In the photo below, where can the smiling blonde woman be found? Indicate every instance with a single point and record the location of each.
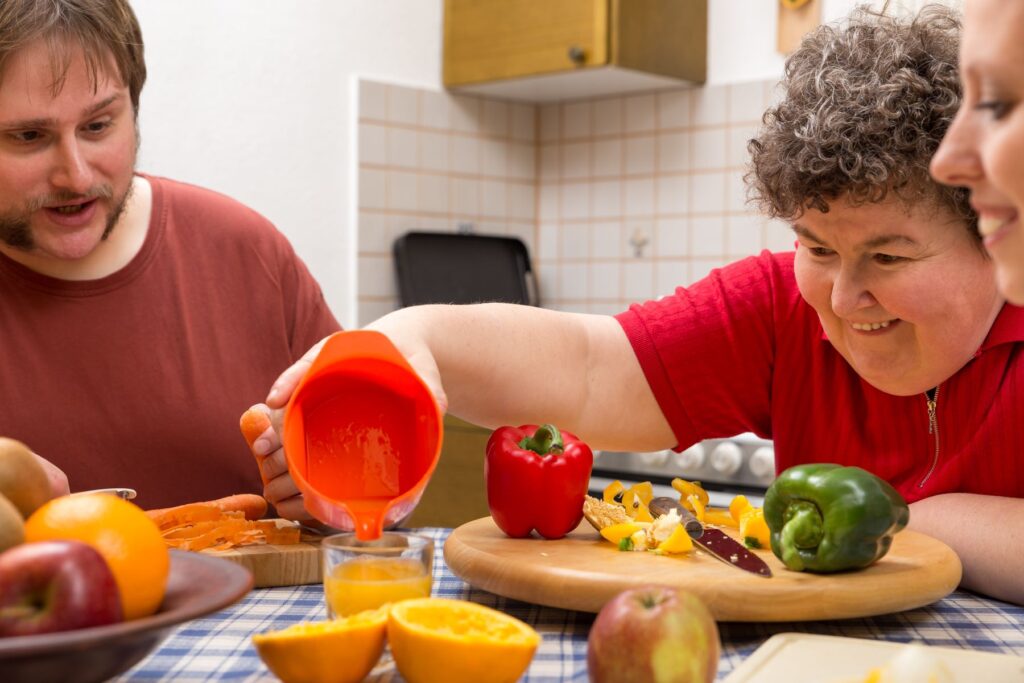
(984, 149)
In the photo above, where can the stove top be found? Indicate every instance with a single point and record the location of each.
(740, 464)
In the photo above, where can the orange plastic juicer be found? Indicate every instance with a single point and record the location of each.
(362, 434)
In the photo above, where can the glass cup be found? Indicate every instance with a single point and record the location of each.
(361, 575)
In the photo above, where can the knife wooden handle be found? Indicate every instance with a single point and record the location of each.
(661, 506)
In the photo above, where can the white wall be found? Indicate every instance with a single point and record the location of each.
(253, 98)
(742, 34)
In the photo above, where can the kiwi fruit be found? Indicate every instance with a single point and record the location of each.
(12, 526)
(23, 480)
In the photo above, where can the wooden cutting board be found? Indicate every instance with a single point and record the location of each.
(583, 571)
(279, 565)
(813, 658)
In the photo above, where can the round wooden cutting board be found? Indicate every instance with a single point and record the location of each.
(583, 571)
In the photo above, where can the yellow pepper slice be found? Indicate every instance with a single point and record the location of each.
(738, 506)
(754, 530)
(634, 499)
(611, 491)
(694, 505)
(640, 513)
(617, 532)
(678, 542)
(718, 516)
(689, 488)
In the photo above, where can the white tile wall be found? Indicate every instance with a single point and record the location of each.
(430, 161)
(617, 198)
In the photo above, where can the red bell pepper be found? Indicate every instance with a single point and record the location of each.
(537, 478)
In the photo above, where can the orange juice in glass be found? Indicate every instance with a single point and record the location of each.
(361, 575)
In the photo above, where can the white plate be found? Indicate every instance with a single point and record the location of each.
(811, 658)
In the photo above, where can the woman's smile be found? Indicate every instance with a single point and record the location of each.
(994, 226)
(875, 328)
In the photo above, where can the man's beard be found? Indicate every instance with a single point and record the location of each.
(16, 228)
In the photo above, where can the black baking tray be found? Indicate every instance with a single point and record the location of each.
(455, 268)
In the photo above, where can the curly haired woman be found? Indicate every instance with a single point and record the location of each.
(881, 342)
(984, 149)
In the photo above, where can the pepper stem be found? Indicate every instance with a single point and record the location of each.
(802, 530)
(547, 440)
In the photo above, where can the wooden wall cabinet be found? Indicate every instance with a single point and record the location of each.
(544, 50)
(457, 492)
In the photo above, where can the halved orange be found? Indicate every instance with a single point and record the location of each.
(340, 651)
(437, 639)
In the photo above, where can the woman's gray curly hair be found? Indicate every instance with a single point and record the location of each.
(864, 110)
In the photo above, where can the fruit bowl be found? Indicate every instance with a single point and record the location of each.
(197, 585)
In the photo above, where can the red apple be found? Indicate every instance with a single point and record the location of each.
(653, 634)
(55, 586)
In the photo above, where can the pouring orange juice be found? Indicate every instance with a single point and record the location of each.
(362, 434)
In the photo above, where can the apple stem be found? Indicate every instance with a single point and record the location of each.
(650, 601)
(18, 612)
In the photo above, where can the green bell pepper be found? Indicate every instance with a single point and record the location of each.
(827, 518)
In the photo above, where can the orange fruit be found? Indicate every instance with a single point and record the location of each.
(460, 641)
(340, 651)
(127, 539)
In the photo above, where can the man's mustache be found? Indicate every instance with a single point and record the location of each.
(98, 192)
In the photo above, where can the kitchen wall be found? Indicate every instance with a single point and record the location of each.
(618, 199)
(257, 99)
(432, 161)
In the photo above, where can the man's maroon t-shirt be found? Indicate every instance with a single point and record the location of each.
(138, 379)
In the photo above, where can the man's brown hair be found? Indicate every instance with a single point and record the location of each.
(104, 29)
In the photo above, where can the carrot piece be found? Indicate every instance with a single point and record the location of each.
(206, 537)
(253, 423)
(251, 505)
(184, 514)
(275, 535)
(222, 524)
(204, 527)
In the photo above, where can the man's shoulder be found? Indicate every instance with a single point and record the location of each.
(183, 199)
(192, 211)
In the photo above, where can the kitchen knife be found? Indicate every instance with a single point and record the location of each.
(127, 494)
(714, 541)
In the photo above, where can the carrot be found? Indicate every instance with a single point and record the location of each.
(222, 524)
(252, 505)
(253, 423)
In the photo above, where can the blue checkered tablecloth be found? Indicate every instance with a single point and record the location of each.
(218, 647)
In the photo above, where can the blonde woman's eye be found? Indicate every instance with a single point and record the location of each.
(998, 108)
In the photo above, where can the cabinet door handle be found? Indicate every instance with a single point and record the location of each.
(577, 55)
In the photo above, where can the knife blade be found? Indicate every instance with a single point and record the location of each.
(715, 542)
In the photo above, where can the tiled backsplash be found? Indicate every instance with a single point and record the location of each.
(618, 199)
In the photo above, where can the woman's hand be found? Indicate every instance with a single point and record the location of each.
(278, 486)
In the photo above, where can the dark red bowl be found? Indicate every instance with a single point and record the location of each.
(197, 585)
